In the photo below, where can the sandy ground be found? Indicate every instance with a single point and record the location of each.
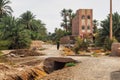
(17, 64)
(89, 68)
(51, 50)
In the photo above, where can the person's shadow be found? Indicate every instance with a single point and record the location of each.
(115, 75)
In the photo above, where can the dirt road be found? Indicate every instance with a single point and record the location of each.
(89, 68)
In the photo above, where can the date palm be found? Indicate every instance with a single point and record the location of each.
(6, 25)
(14, 32)
(39, 31)
(64, 24)
(27, 19)
(70, 20)
(5, 9)
(67, 15)
(95, 25)
(105, 30)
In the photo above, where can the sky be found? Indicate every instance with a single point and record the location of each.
(49, 10)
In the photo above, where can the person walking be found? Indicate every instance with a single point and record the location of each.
(58, 45)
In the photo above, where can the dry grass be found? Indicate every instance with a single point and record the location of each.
(68, 52)
(25, 53)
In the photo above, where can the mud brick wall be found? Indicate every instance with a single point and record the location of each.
(65, 40)
(115, 49)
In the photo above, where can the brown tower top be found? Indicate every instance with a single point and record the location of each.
(82, 23)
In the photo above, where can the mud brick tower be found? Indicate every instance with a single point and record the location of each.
(82, 24)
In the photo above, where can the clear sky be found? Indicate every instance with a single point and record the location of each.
(49, 10)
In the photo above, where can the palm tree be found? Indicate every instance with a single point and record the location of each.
(63, 25)
(70, 19)
(64, 14)
(36, 27)
(14, 32)
(95, 24)
(20, 38)
(6, 25)
(105, 30)
(39, 30)
(5, 9)
(67, 15)
(27, 19)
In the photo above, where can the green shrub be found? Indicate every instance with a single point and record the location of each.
(42, 49)
(95, 55)
(81, 44)
(4, 44)
(69, 64)
(21, 41)
(107, 53)
(99, 41)
(1, 53)
(108, 43)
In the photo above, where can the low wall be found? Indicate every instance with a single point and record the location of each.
(65, 40)
(115, 49)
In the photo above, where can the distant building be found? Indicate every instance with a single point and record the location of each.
(82, 24)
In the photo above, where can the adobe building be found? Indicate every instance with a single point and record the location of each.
(82, 24)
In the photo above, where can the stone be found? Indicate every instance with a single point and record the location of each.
(115, 75)
(55, 63)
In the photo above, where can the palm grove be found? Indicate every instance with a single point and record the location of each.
(16, 33)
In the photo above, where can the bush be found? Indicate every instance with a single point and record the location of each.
(107, 53)
(99, 41)
(108, 43)
(81, 44)
(69, 64)
(4, 44)
(1, 53)
(95, 54)
(21, 41)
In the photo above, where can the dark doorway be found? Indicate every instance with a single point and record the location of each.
(59, 65)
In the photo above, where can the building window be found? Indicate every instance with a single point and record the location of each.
(83, 21)
(83, 17)
(88, 17)
(88, 22)
(88, 27)
(83, 27)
